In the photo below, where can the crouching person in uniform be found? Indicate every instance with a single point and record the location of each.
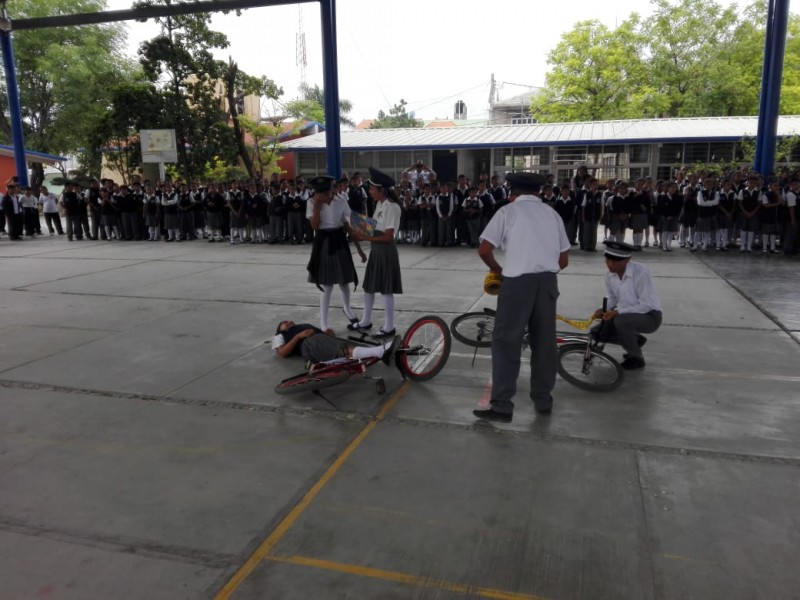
(315, 345)
(633, 306)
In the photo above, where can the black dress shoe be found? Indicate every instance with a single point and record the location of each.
(632, 362)
(357, 327)
(389, 352)
(382, 333)
(353, 321)
(490, 414)
(544, 411)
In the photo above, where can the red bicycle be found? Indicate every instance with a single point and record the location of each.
(422, 353)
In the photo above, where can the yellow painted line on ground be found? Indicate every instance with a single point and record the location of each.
(681, 558)
(283, 527)
(405, 578)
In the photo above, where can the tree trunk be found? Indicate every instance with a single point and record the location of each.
(230, 85)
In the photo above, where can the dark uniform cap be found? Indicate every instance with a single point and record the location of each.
(322, 183)
(526, 181)
(380, 179)
(618, 250)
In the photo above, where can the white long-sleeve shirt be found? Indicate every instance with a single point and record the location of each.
(634, 293)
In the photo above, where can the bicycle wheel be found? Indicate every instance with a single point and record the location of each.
(425, 348)
(597, 373)
(473, 329)
(310, 382)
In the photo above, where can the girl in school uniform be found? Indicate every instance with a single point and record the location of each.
(727, 204)
(768, 219)
(707, 209)
(152, 214)
(383, 267)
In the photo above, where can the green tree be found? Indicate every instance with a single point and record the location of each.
(135, 105)
(63, 75)
(397, 118)
(685, 39)
(238, 85)
(311, 106)
(597, 74)
(179, 61)
(264, 149)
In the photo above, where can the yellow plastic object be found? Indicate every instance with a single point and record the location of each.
(582, 324)
(492, 283)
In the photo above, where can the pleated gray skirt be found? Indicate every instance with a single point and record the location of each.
(383, 270)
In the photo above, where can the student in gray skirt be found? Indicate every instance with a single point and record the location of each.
(331, 262)
(383, 268)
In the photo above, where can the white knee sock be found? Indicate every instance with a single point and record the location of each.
(345, 290)
(388, 312)
(324, 305)
(369, 302)
(360, 352)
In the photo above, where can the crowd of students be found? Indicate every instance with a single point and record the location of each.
(700, 211)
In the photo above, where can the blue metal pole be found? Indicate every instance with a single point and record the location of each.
(330, 74)
(765, 75)
(772, 112)
(15, 113)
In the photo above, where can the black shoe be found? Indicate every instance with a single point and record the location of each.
(357, 327)
(389, 352)
(490, 414)
(545, 410)
(353, 321)
(382, 333)
(632, 362)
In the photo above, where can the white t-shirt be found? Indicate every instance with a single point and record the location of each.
(49, 202)
(333, 215)
(530, 233)
(387, 216)
(791, 199)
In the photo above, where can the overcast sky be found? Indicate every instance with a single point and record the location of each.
(429, 52)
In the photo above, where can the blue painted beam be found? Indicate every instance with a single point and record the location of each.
(772, 74)
(14, 110)
(330, 74)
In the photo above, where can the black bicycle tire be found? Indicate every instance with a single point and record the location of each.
(567, 349)
(308, 382)
(464, 339)
(446, 345)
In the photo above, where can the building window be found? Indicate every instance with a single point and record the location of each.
(696, 153)
(523, 121)
(307, 163)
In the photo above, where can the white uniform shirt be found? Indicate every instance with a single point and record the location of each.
(706, 198)
(791, 199)
(387, 216)
(333, 215)
(27, 201)
(49, 202)
(634, 293)
(531, 234)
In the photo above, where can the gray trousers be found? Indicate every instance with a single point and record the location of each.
(525, 301)
(625, 328)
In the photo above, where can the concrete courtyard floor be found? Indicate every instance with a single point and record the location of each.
(144, 454)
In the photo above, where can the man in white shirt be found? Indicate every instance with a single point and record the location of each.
(633, 305)
(49, 203)
(535, 243)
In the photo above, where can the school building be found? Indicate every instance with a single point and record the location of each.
(610, 149)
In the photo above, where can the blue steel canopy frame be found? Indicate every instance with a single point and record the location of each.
(329, 74)
(771, 75)
(774, 49)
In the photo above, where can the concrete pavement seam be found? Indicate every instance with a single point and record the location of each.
(119, 543)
